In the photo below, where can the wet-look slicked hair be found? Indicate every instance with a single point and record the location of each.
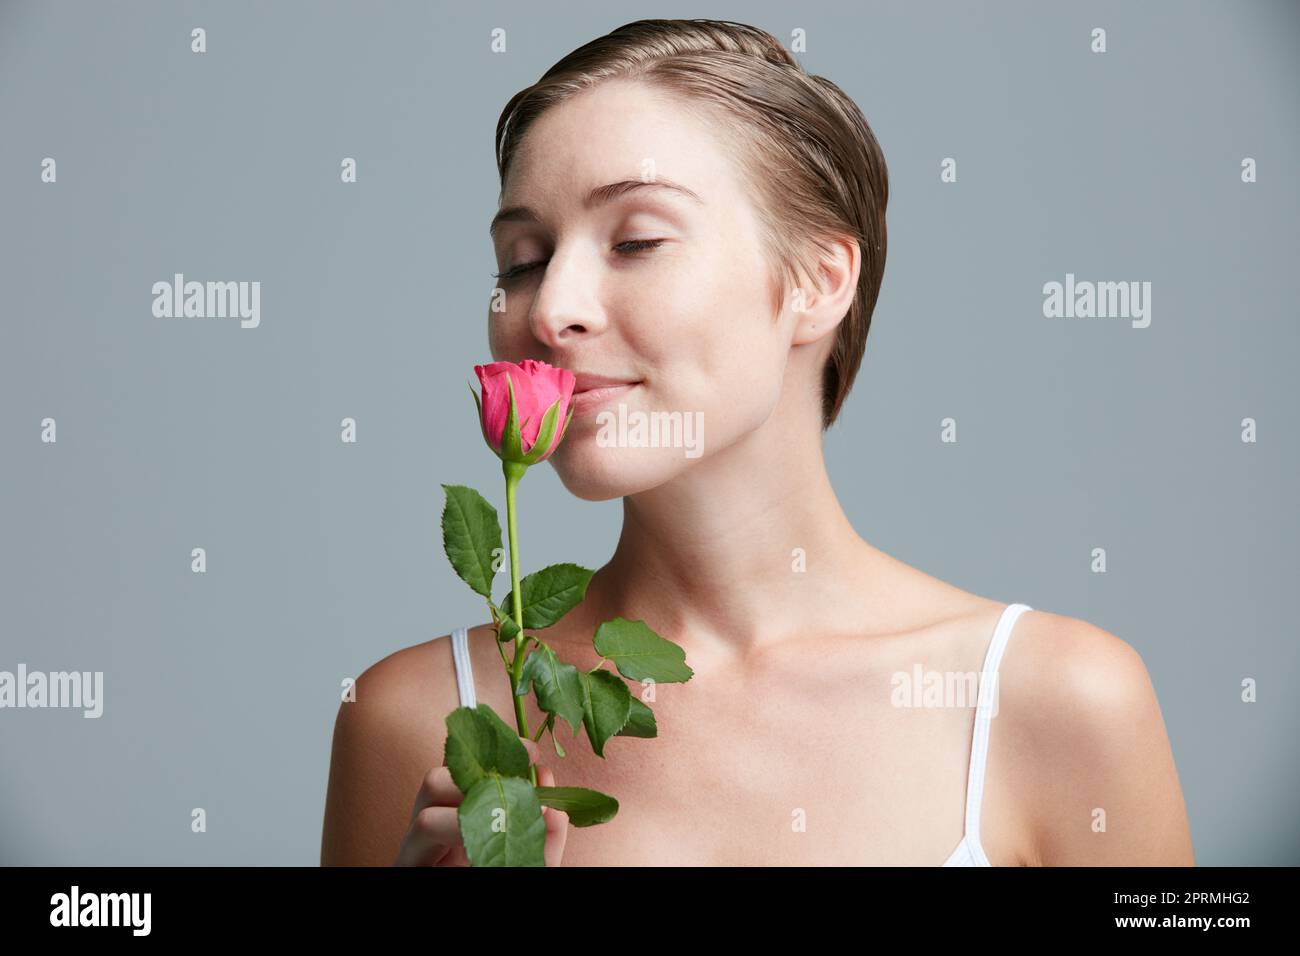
(803, 148)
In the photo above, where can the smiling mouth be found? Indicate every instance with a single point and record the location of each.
(596, 396)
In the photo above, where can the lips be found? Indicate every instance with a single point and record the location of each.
(589, 397)
(585, 382)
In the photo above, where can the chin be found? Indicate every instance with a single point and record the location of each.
(593, 473)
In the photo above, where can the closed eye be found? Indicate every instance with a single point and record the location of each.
(631, 247)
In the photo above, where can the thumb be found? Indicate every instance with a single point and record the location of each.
(557, 821)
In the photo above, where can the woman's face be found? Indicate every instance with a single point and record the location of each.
(649, 286)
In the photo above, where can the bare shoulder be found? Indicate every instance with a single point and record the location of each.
(1075, 661)
(384, 742)
(1091, 757)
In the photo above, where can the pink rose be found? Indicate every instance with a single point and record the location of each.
(536, 388)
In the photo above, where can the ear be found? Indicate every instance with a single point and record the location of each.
(820, 305)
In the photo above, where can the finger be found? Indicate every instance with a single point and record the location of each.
(557, 834)
(437, 789)
(557, 822)
(433, 839)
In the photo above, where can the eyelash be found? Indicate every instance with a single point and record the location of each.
(638, 244)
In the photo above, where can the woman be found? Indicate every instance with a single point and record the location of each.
(691, 221)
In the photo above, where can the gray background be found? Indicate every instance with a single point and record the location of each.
(221, 688)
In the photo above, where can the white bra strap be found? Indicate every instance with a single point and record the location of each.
(985, 708)
(464, 670)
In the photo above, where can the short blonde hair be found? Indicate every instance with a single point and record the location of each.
(805, 148)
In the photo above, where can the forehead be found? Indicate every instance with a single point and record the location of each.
(615, 131)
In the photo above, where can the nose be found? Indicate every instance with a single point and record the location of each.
(567, 303)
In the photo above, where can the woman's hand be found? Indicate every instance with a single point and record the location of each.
(433, 838)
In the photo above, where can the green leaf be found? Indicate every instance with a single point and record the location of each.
(501, 823)
(506, 630)
(470, 533)
(640, 721)
(585, 807)
(545, 434)
(512, 438)
(549, 594)
(640, 654)
(557, 685)
(550, 725)
(606, 705)
(479, 743)
(509, 631)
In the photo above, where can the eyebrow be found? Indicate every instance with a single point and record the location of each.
(597, 197)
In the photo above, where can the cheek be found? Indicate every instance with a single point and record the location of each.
(714, 293)
(720, 325)
(508, 333)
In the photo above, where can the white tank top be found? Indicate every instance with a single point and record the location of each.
(969, 852)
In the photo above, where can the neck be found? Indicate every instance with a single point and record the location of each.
(746, 548)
